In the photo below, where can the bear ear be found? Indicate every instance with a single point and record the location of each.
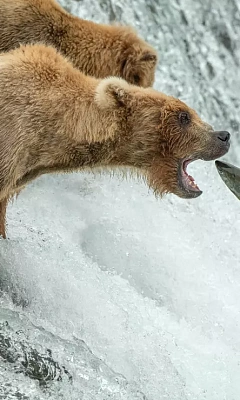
(112, 93)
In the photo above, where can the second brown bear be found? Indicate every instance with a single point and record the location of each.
(97, 50)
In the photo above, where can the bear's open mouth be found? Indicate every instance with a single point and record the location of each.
(187, 182)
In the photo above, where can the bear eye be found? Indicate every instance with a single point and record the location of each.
(136, 79)
(184, 118)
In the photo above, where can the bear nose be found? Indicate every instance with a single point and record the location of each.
(224, 136)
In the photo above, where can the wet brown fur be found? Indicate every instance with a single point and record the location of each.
(96, 50)
(55, 119)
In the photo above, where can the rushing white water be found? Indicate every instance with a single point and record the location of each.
(110, 293)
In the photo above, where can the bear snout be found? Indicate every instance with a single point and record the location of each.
(218, 145)
(224, 136)
(222, 139)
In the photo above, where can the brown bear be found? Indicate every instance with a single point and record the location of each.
(55, 119)
(97, 50)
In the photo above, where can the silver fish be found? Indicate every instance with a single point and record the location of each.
(230, 176)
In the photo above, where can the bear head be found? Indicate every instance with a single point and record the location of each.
(159, 136)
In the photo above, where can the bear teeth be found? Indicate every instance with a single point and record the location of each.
(189, 180)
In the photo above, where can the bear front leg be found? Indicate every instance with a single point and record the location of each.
(3, 210)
